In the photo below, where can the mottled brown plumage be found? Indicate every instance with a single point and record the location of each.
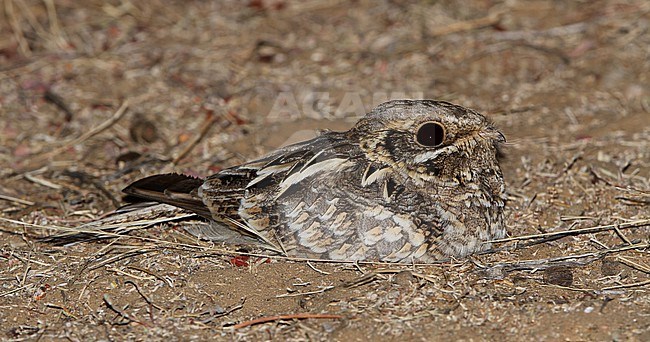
(411, 181)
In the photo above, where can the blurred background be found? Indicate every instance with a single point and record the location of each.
(94, 94)
(266, 69)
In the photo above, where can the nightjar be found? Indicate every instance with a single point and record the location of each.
(412, 181)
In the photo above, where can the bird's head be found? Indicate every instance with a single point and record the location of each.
(431, 142)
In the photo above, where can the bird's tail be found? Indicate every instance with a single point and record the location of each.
(172, 188)
(122, 221)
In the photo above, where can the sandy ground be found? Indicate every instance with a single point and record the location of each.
(96, 94)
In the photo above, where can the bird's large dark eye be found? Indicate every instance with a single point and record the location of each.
(430, 134)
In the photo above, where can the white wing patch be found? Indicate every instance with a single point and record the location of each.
(254, 232)
(333, 165)
(268, 171)
(373, 177)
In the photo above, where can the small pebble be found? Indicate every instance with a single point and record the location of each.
(610, 267)
(143, 130)
(558, 275)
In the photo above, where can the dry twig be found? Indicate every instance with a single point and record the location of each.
(467, 25)
(209, 122)
(100, 128)
(284, 317)
(326, 288)
(567, 260)
(588, 230)
(16, 200)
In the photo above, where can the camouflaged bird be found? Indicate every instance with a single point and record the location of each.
(412, 181)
